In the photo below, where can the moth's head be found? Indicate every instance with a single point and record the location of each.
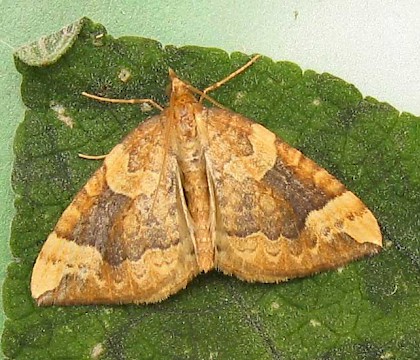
(181, 93)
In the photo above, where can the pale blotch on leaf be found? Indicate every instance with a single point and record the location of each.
(60, 111)
(124, 75)
(97, 351)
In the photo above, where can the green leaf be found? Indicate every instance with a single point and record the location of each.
(368, 310)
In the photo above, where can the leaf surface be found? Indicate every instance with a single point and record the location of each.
(367, 310)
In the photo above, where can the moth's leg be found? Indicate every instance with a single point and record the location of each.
(124, 101)
(92, 157)
(116, 101)
(229, 77)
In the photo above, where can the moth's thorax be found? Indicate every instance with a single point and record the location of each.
(188, 146)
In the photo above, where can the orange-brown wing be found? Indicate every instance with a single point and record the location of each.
(278, 214)
(125, 237)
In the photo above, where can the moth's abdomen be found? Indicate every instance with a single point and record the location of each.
(192, 166)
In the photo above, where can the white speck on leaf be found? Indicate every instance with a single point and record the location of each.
(213, 355)
(145, 107)
(240, 95)
(275, 305)
(340, 270)
(124, 75)
(387, 355)
(393, 291)
(388, 244)
(314, 323)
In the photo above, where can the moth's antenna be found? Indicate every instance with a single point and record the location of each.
(205, 96)
(229, 77)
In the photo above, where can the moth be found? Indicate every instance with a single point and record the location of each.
(193, 189)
